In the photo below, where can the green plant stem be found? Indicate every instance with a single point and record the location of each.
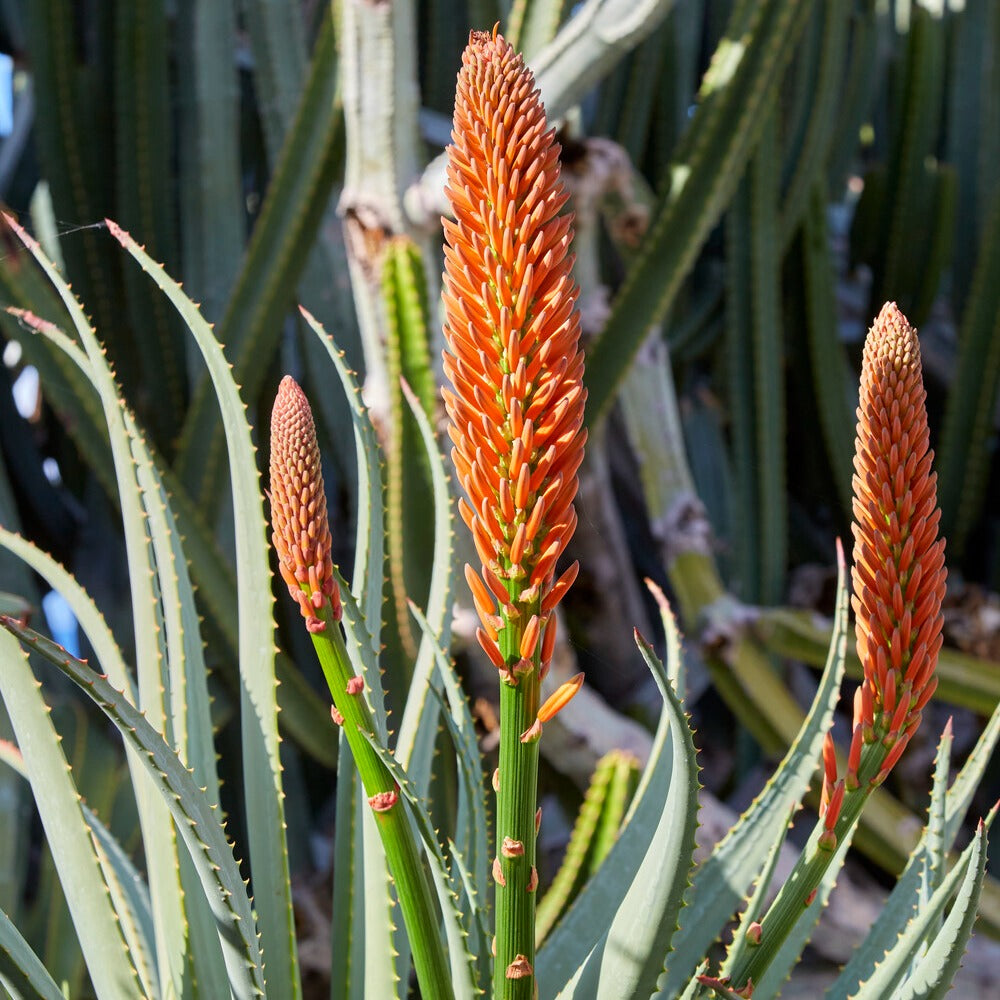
(516, 799)
(793, 899)
(413, 886)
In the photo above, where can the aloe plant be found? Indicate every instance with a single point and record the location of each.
(151, 878)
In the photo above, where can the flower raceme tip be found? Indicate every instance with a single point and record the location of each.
(899, 573)
(300, 527)
(513, 355)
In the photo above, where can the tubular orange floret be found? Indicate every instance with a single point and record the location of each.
(512, 330)
(300, 528)
(854, 757)
(560, 698)
(898, 574)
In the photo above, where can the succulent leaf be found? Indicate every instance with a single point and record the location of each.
(719, 884)
(22, 972)
(642, 881)
(66, 829)
(196, 817)
(939, 965)
(259, 716)
(418, 727)
(369, 543)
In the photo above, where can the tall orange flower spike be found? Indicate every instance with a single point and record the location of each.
(899, 573)
(513, 355)
(301, 531)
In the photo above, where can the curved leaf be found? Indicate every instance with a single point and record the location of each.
(22, 972)
(938, 966)
(66, 830)
(262, 784)
(640, 887)
(719, 884)
(197, 820)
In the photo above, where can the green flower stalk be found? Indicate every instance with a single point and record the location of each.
(301, 534)
(516, 409)
(899, 583)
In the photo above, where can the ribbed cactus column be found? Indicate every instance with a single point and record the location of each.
(517, 427)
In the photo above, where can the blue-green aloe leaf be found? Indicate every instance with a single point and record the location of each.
(902, 901)
(259, 715)
(369, 554)
(196, 817)
(415, 745)
(470, 847)
(641, 885)
(66, 829)
(146, 606)
(934, 973)
(720, 883)
(22, 972)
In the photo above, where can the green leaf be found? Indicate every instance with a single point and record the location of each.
(197, 820)
(719, 884)
(21, 970)
(939, 965)
(932, 978)
(571, 875)
(899, 907)
(66, 830)
(158, 837)
(755, 905)
(640, 887)
(470, 854)
(262, 786)
(415, 744)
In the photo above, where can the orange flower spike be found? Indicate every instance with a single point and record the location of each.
(899, 573)
(300, 529)
(512, 330)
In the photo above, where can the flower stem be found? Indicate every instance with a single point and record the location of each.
(513, 971)
(413, 885)
(796, 894)
(516, 820)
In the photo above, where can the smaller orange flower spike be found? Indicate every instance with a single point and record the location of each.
(300, 529)
(899, 573)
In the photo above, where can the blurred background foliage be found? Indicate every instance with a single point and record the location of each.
(752, 179)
